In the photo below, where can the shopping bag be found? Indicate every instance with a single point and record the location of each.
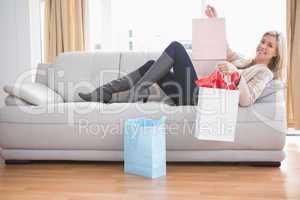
(217, 108)
(217, 80)
(209, 39)
(145, 147)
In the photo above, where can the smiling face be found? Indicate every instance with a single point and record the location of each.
(266, 49)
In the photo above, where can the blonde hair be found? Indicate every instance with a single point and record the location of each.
(278, 63)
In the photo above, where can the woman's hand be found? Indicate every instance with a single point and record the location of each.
(211, 12)
(226, 68)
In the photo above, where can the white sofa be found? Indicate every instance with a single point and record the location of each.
(48, 120)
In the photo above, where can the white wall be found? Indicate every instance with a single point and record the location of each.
(35, 32)
(99, 35)
(19, 39)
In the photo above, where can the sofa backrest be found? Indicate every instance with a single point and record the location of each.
(41, 75)
(74, 72)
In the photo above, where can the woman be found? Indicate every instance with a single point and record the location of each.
(179, 84)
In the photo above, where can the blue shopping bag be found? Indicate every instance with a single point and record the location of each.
(145, 147)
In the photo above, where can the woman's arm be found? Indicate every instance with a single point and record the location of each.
(212, 13)
(250, 91)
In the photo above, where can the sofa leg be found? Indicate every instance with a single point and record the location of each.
(265, 164)
(17, 162)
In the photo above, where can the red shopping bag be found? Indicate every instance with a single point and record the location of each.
(216, 80)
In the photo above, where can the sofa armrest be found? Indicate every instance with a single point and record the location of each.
(272, 87)
(11, 100)
(34, 93)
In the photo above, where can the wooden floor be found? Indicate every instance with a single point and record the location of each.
(76, 181)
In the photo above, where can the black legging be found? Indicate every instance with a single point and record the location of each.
(179, 85)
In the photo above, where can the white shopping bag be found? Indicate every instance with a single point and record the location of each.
(217, 112)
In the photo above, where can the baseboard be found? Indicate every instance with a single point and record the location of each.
(179, 156)
(254, 164)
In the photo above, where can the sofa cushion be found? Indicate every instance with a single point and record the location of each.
(11, 100)
(97, 126)
(34, 93)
